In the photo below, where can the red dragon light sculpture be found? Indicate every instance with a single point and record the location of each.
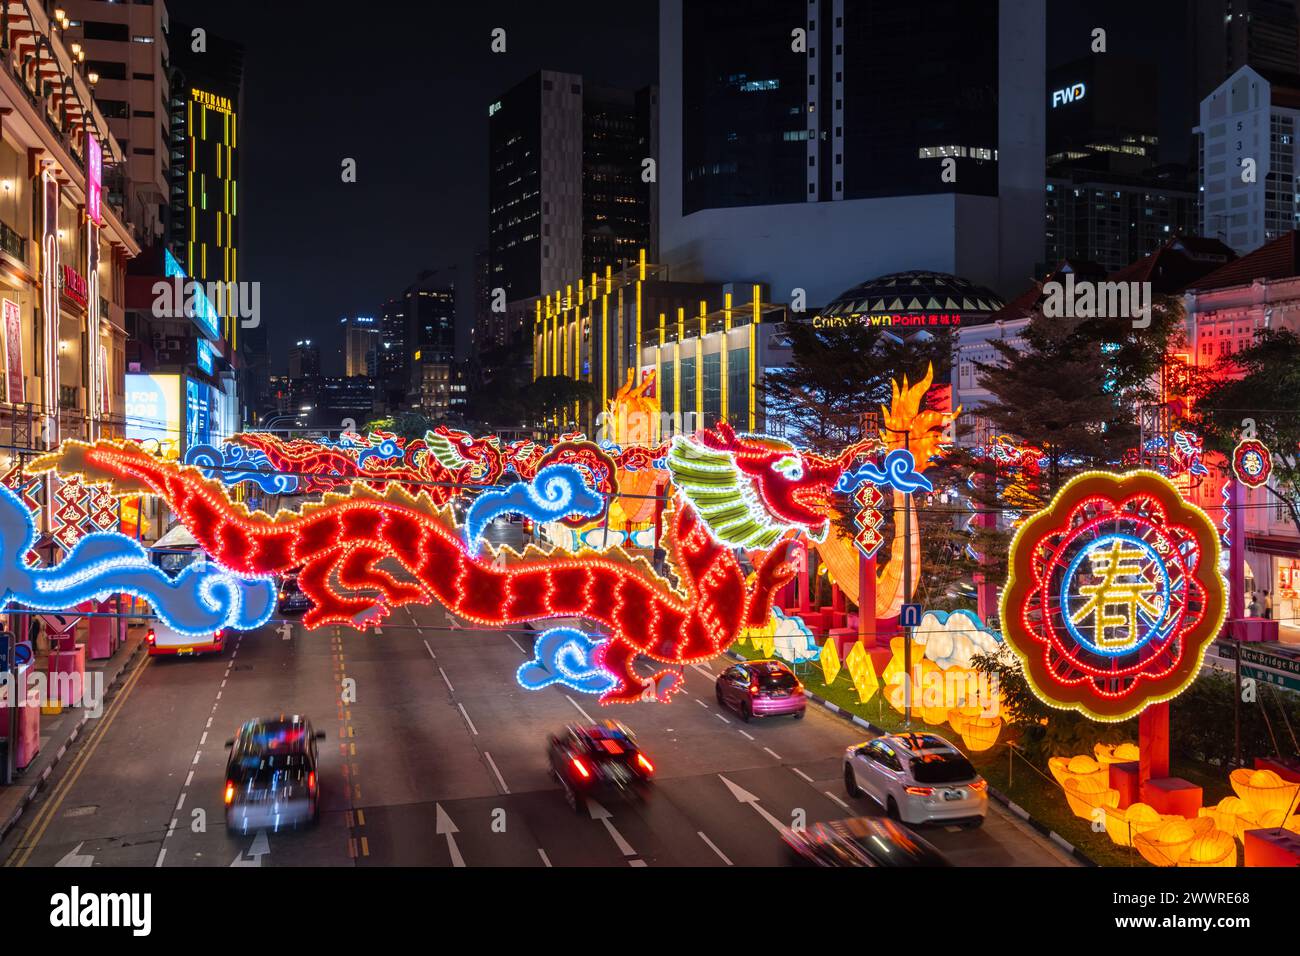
(340, 543)
(751, 490)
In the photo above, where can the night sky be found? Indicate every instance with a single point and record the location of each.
(403, 88)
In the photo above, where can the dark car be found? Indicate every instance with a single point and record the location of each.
(861, 841)
(271, 777)
(598, 759)
(761, 689)
(292, 598)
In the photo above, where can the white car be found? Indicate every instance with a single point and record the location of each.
(917, 778)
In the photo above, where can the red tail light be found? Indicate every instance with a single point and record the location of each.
(920, 791)
(311, 781)
(581, 767)
(641, 759)
(753, 690)
(149, 637)
(979, 786)
(230, 792)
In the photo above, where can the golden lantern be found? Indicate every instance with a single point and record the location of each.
(1277, 820)
(1085, 794)
(1123, 825)
(1264, 790)
(1165, 844)
(1108, 754)
(1213, 848)
(1232, 815)
(981, 733)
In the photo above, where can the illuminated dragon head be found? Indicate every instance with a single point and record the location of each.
(633, 413)
(924, 428)
(751, 489)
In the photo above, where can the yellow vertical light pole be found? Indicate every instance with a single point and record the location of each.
(636, 366)
(659, 376)
(677, 369)
(753, 360)
(604, 350)
(699, 366)
(726, 339)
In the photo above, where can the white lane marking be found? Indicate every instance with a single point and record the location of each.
(580, 710)
(208, 724)
(701, 703)
(430, 650)
(712, 846)
(705, 671)
(161, 853)
(180, 803)
(446, 680)
(637, 863)
(189, 777)
(464, 713)
(196, 757)
(444, 827)
(546, 860)
(743, 734)
(836, 799)
(773, 752)
(500, 779)
(511, 638)
(721, 718)
(802, 774)
(204, 739)
(600, 813)
(744, 796)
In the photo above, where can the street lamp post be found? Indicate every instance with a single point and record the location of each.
(907, 584)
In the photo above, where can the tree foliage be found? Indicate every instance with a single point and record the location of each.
(839, 376)
(1260, 383)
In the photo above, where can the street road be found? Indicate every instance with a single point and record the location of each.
(441, 761)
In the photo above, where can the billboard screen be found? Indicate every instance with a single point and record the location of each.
(153, 412)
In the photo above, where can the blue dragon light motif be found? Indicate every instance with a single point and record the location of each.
(557, 491)
(384, 451)
(202, 599)
(567, 656)
(232, 463)
(899, 472)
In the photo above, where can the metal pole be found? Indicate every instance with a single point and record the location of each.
(1236, 707)
(907, 595)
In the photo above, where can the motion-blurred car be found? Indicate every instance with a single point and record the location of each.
(271, 780)
(161, 641)
(917, 778)
(761, 689)
(292, 599)
(599, 759)
(860, 841)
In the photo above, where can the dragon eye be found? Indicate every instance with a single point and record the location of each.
(789, 466)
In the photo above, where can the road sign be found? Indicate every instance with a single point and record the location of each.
(910, 616)
(1267, 667)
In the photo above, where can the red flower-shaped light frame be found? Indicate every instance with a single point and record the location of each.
(1065, 673)
(1252, 446)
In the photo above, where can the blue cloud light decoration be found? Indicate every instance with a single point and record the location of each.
(565, 655)
(557, 491)
(899, 472)
(202, 599)
(232, 463)
(384, 451)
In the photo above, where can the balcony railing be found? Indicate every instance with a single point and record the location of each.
(12, 244)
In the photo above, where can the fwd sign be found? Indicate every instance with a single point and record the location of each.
(1070, 94)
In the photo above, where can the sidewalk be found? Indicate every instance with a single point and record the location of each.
(59, 731)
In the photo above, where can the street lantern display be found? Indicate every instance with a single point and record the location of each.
(1113, 594)
(1252, 462)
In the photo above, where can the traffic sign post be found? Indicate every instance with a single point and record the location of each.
(8, 674)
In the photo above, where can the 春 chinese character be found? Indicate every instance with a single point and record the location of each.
(1114, 601)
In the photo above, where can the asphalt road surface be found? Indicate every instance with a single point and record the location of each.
(441, 761)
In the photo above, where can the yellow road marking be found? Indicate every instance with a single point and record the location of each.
(21, 855)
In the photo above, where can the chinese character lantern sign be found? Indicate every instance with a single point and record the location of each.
(1114, 594)
(1252, 463)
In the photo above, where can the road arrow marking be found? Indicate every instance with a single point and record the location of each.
(600, 813)
(744, 796)
(444, 827)
(75, 857)
(261, 847)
